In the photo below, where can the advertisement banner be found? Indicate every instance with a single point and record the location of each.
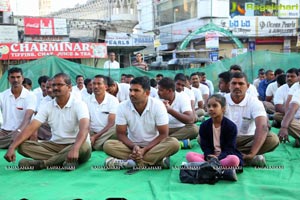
(31, 51)
(211, 40)
(45, 26)
(4, 6)
(8, 34)
(272, 26)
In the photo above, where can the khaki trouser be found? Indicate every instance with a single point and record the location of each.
(199, 113)
(294, 128)
(269, 107)
(6, 138)
(244, 143)
(154, 156)
(110, 134)
(278, 116)
(51, 153)
(189, 131)
(44, 132)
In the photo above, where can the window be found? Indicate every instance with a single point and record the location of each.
(175, 11)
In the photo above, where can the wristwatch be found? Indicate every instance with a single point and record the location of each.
(19, 130)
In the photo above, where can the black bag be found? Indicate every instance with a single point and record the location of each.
(200, 172)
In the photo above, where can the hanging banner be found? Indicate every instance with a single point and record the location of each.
(211, 40)
(45, 26)
(31, 51)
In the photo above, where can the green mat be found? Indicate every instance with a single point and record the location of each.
(90, 181)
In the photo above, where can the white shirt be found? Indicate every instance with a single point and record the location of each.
(123, 91)
(85, 95)
(181, 104)
(190, 93)
(271, 89)
(44, 101)
(99, 112)
(294, 88)
(296, 99)
(142, 129)
(256, 82)
(13, 110)
(198, 96)
(64, 122)
(244, 113)
(77, 93)
(281, 94)
(111, 65)
(39, 96)
(153, 92)
(252, 91)
(210, 86)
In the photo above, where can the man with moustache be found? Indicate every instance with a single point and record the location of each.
(102, 107)
(142, 130)
(248, 113)
(17, 105)
(69, 145)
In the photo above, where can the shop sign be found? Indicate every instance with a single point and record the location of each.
(272, 26)
(30, 51)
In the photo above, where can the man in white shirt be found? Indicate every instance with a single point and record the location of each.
(102, 107)
(281, 96)
(17, 105)
(88, 90)
(41, 92)
(207, 82)
(79, 87)
(248, 113)
(68, 118)
(195, 81)
(181, 116)
(119, 90)
(142, 130)
(111, 63)
(290, 124)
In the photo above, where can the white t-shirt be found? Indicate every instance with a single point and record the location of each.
(77, 93)
(244, 113)
(190, 93)
(281, 94)
(271, 89)
(13, 110)
(295, 87)
(210, 86)
(99, 112)
(252, 91)
(153, 92)
(111, 65)
(123, 92)
(142, 129)
(296, 99)
(198, 96)
(181, 104)
(256, 82)
(64, 122)
(44, 101)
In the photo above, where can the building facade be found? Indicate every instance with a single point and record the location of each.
(259, 25)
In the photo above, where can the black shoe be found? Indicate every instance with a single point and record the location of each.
(229, 175)
(276, 124)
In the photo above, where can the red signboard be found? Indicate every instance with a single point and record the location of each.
(45, 26)
(31, 51)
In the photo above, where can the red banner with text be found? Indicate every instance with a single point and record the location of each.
(31, 51)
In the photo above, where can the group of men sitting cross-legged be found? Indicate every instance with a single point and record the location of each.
(138, 131)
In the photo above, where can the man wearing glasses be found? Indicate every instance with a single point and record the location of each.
(68, 119)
